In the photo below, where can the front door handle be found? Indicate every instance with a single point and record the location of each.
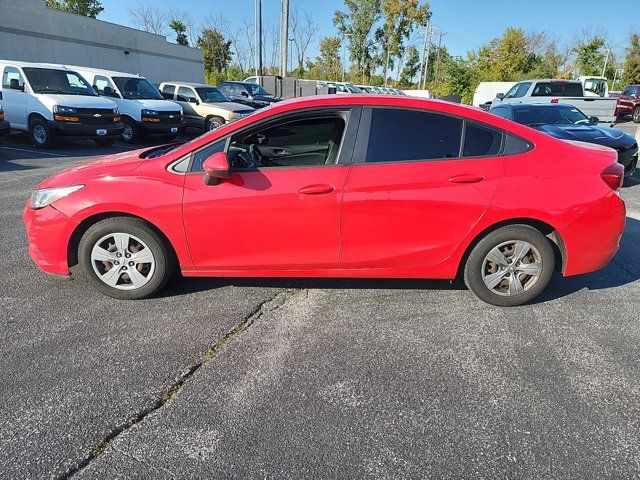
(467, 178)
(316, 189)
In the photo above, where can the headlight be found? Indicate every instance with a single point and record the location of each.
(232, 115)
(62, 109)
(149, 113)
(46, 196)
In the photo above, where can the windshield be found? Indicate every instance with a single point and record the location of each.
(257, 89)
(47, 80)
(134, 88)
(211, 95)
(551, 115)
(353, 88)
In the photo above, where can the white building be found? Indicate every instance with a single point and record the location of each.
(31, 32)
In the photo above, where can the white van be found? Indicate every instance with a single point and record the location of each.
(487, 91)
(143, 108)
(52, 101)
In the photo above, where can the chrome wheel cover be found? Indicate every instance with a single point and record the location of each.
(127, 133)
(512, 268)
(40, 134)
(122, 261)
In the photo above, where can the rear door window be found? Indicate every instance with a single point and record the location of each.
(481, 141)
(399, 135)
(557, 89)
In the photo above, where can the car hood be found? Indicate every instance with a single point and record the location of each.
(161, 105)
(77, 101)
(100, 167)
(266, 98)
(609, 137)
(230, 106)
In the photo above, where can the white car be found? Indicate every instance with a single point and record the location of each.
(52, 101)
(205, 107)
(144, 110)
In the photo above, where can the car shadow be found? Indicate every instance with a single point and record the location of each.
(623, 269)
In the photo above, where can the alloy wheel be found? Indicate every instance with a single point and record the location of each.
(127, 133)
(122, 261)
(512, 268)
(39, 134)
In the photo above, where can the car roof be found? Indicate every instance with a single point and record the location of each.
(551, 80)
(56, 66)
(111, 73)
(519, 106)
(241, 83)
(188, 84)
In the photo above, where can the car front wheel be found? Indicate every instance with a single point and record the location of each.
(510, 266)
(125, 258)
(636, 115)
(213, 123)
(41, 134)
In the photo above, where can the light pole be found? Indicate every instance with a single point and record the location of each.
(257, 27)
(344, 58)
(606, 61)
(284, 36)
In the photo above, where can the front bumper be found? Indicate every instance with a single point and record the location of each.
(48, 233)
(68, 129)
(150, 128)
(593, 238)
(4, 128)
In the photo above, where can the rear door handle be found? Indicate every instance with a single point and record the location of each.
(467, 178)
(320, 189)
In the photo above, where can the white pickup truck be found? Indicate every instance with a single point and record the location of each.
(560, 91)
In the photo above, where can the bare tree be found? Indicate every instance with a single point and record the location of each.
(150, 19)
(239, 46)
(184, 18)
(248, 33)
(303, 32)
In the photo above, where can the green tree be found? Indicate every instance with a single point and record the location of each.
(87, 8)
(181, 32)
(327, 65)
(411, 66)
(590, 55)
(400, 17)
(216, 51)
(356, 24)
(632, 62)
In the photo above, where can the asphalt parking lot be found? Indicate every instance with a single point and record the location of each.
(240, 378)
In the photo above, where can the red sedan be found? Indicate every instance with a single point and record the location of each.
(339, 186)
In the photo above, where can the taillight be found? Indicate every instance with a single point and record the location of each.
(613, 176)
(555, 100)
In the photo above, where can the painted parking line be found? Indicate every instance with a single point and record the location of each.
(35, 152)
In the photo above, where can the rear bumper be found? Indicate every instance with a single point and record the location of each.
(593, 238)
(162, 128)
(63, 129)
(48, 233)
(4, 128)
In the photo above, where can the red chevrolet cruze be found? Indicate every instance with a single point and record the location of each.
(339, 186)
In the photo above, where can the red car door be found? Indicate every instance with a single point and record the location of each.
(279, 210)
(411, 197)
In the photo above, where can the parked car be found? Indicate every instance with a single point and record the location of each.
(4, 125)
(595, 86)
(569, 123)
(53, 101)
(486, 91)
(629, 102)
(400, 187)
(250, 94)
(205, 107)
(556, 91)
(144, 110)
(341, 87)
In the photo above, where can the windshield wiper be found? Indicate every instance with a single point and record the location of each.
(540, 124)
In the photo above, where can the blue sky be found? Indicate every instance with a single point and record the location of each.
(468, 23)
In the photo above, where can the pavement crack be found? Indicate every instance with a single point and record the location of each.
(267, 306)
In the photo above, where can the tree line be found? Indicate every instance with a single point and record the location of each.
(383, 41)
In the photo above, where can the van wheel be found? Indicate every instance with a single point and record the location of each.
(130, 134)
(105, 142)
(636, 115)
(510, 266)
(125, 258)
(213, 123)
(41, 134)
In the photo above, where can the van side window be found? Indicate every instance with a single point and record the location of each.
(12, 73)
(104, 86)
(168, 91)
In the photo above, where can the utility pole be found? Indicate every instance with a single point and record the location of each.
(424, 72)
(291, 40)
(284, 37)
(606, 61)
(442, 34)
(257, 34)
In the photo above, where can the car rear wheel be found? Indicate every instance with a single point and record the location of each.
(510, 266)
(41, 134)
(213, 123)
(636, 115)
(125, 258)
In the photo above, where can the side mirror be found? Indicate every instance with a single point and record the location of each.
(594, 120)
(244, 94)
(500, 96)
(194, 100)
(216, 167)
(14, 84)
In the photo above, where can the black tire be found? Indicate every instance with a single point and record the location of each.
(212, 123)
(636, 115)
(105, 142)
(41, 134)
(475, 265)
(164, 267)
(131, 133)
